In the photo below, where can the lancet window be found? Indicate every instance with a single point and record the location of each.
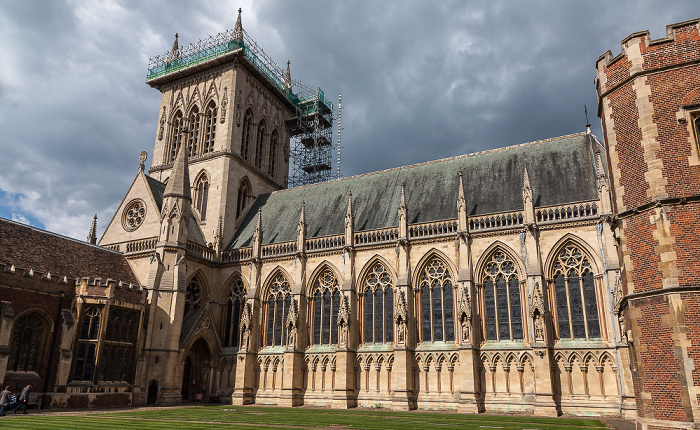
(503, 319)
(234, 309)
(575, 295)
(28, 339)
(116, 354)
(247, 133)
(279, 299)
(87, 345)
(259, 144)
(209, 128)
(193, 132)
(177, 135)
(273, 153)
(202, 195)
(378, 305)
(243, 191)
(325, 302)
(436, 303)
(193, 295)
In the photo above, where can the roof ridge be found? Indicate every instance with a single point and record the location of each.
(425, 163)
(40, 230)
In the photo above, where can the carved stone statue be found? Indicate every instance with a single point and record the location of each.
(539, 328)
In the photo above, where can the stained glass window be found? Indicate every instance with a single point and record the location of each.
(26, 343)
(575, 295)
(501, 291)
(325, 304)
(436, 303)
(278, 302)
(234, 309)
(379, 306)
(116, 354)
(193, 295)
(84, 366)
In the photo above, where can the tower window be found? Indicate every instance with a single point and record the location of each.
(272, 155)
(209, 128)
(243, 192)
(259, 144)
(501, 293)
(201, 195)
(247, 131)
(193, 132)
(177, 132)
(436, 303)
(575, 296)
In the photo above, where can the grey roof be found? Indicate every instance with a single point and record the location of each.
(157, 190)
(562, 170)
(194, 232)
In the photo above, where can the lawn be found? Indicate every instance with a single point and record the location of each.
(251, 417)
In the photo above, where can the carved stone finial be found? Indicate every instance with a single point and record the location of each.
(175, 51)
(527, 189)
(288, 78)
(601, 178)
(402, 204)
(349, 216)
(142, 159)
(238, 28)
(92, 236)
(461, 199)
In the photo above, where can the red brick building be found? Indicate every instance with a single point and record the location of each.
(649, 103)
(69, 318)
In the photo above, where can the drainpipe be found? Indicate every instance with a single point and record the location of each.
(52, 349)
(599, 229)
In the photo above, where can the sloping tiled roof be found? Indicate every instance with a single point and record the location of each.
(32, 248)
(194, 232)
(562, 170)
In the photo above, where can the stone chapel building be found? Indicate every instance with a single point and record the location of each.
(551, 277)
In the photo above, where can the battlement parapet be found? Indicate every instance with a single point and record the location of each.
(641, 55)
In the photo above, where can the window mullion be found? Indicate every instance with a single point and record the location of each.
(583, 305)
(568, 307)
(510, 313)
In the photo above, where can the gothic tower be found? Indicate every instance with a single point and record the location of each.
(226, 104)
(649, 104)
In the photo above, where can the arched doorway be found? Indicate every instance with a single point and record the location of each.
(196, 375)
(152, 393)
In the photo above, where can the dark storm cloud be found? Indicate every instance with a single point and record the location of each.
(420, 81)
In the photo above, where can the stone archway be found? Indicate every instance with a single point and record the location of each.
(197, 375)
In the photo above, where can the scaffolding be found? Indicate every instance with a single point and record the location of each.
(311, 126)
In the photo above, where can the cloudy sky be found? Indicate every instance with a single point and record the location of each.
(421, 80)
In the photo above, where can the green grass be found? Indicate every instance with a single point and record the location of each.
(251, 417)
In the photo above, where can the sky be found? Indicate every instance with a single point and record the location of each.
(421, 80)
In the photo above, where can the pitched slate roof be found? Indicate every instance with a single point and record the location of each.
(194, 232)
(32, 248)
(562, 170)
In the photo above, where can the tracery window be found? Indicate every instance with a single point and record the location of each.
(193, 132)
(193, 295)
(259, 144)
(26, 344)
(247, 133)
(234, 309)
(501, 292)
(273, 153)
(243, 191)
(202, 195)
(575, 295)
(436, 303)
(378, 303)
(325, 301)
(87, 345)
(117, 352)
(277, 307)
(177, 133)
(209, 128)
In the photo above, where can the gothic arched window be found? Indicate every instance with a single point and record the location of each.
(277, 305)
(378, 304)
(234, 309)
(193, 295)
(201, 187)
(193, 132)
(436, 303)
(324, 305)
(209, 128)
(575, 295)
(116, 354)
(501, 293)
(84, 367)
(259, 144)
(177, 132)
(27, 343)
(243, 191)
(273, 153)
(247, 131)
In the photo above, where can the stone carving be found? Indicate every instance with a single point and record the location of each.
(238, 108)
(539, 327)
(465, 314)
(224, 103)
(246, 320)
(623, 329)
(617, 293)
(400, 318)
(536, 300)
(161, 130)
(344, 319)
(292, 320)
